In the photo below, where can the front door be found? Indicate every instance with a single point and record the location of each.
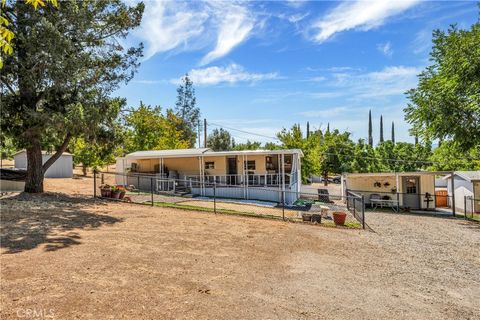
(232, 170)
(411, 197)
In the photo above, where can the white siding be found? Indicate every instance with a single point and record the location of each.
(462, 188)
(62, 168)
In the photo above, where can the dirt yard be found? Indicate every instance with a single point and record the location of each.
(68, 257)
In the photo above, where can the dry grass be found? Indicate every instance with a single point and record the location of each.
(99, 260)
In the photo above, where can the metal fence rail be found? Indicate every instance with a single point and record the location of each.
(256, 201)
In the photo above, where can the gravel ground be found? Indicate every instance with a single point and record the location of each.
(77, 259)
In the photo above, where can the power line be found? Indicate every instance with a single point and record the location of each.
(243, 131)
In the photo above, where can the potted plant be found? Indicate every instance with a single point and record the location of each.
(339, 218)
(116, 193)
(105, 191)
(122, 191)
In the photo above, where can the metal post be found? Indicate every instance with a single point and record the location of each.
(354, 209)
(94, 183)
(103, 179)
(138, 183)
(215, 197)
(363, 211)
(151, 189)
(465, 206)
(453, 193)
(283, 206)
(398, 202)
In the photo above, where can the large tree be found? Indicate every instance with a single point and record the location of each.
(446, 103)
(186, 109)
(147, 128)
(219, 140)
(66, 62)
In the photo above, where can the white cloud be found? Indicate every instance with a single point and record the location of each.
(167, 25)
(181, 26)
(231, 74)
(363, 15)
(234, 28)
(385, 48)
(389, 81)
(325, 112)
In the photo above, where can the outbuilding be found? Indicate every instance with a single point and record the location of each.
(62, 168)
(467, 184)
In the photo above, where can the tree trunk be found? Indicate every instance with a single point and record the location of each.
(84, 169)
(35, 173)
(325, 178)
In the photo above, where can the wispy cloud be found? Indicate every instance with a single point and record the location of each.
(385, 48)
(230, 74)
(389, 81)
(361, 15)
(325, 112)
(236, 24)
(181, 26)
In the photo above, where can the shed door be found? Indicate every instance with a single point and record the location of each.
(411, 187)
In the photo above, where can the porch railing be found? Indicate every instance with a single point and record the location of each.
(268, 179)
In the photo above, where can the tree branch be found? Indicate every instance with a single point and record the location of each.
(57, 154)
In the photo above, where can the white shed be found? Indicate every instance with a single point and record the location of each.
(467, 184)
(62, 168)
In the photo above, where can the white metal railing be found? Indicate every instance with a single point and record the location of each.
(267, 179)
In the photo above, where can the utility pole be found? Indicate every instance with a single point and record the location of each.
(199, 127)
(205, 133)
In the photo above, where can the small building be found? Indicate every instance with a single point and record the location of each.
(62, 168)
(413, 190)
(467, 184)
(250, 174)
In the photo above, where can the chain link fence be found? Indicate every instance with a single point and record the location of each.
(472, 208)
(207, 196)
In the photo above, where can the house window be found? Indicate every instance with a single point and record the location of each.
(249, 165)
(209, 165)
(269, 163)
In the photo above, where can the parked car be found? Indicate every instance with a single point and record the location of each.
(337, 179)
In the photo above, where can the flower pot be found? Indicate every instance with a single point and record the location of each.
(307, 217)
(122, 194)
(106, 193)
(116, 194)
(339, 218)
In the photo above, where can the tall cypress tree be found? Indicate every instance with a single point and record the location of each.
(381, 129)
(328, 128)
(308, 130)
(393, 132)
(187, 110)
(370, 138)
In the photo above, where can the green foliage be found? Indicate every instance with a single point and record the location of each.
(449, 156)
(336, 152)
(66, 63)
(249, 145)
(220, 140)
(7, 147)
(186, 109)
(446, 103)
(149, 129)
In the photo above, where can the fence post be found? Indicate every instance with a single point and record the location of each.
(103, 179)
(363, 211)
(283, 205)
(151, 188)
(94, 183)
(398, 202)
(354, 209)
(465, 206)
(215, 197)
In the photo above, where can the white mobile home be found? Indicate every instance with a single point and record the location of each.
(249, 174)
(62, 168)
(467, 184)
(413, 190)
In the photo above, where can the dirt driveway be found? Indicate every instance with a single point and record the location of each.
(73, 258)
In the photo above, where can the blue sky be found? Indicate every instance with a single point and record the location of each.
(261, 66)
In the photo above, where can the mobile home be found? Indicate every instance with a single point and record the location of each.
(271, 175)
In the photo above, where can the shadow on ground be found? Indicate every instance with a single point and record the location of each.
(52, 219)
